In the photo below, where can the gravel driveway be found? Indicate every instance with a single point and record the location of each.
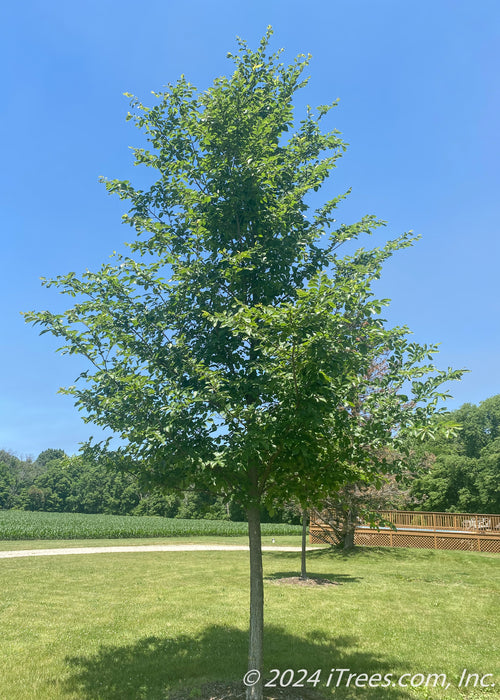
(142, 548)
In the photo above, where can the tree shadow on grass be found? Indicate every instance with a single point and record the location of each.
(322, 555)
(333, 578)
(340, 553)
(370, 553)
(155, 668)
(334, 555)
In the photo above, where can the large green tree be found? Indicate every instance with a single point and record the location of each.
(230, 347)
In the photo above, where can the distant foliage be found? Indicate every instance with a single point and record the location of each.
(57, 483)
(465, 474)
(462, 473)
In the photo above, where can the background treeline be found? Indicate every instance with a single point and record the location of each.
(464, 472)
(456, 474)
(55, 482)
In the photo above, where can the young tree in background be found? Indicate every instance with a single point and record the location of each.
(222, 352)
(341, 512)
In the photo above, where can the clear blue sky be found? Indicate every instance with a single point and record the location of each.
(419, 105)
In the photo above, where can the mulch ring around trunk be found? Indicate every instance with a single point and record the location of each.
(297, 581)
(237, 691)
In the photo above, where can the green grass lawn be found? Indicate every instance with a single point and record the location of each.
(141, 626)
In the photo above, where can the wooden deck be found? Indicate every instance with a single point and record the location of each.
(423, 530)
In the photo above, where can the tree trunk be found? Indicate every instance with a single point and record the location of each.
(303, 570)
(349, 539)
(350, 525)
(254, 692)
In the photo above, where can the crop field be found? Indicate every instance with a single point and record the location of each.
(28, 525)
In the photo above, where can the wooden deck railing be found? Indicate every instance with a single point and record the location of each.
(451, 522)
(463, 531)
